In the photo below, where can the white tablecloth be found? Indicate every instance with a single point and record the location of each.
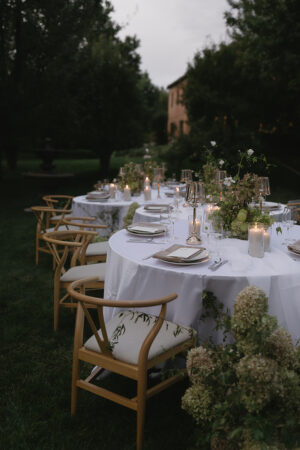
(112, 212)
(143, 216)
(129, 276)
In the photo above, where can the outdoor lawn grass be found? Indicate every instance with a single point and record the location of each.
(35, 362)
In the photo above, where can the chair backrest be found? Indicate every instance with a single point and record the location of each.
(58, 201)
(62, 243)
(86, 302)
(83, 223)
(43, 214)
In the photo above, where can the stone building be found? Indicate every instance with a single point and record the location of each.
(177, 115)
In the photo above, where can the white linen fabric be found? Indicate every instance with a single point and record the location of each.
(97, 248)
(130, 276)
(136, 326)
(141, 215)
(110, 212)
(90, 270)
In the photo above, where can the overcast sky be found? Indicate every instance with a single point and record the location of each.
(170, 32)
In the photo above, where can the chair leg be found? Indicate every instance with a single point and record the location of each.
(75, 377)
(56, 305)
(141, 409)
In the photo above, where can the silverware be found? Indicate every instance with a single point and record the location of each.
(143, 241)
(216, 265)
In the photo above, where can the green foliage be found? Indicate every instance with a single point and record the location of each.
(246, 92)
(129, 216)
(245, 394)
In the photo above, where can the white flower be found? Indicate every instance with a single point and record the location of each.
(213, 143)
(228, 181)
(250, 152)
(221, 162)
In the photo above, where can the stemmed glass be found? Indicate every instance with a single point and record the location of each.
(187, 178)
(158, 177)
(263, 189)
(219, 179)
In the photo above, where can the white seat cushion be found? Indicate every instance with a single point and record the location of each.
(78, 272)
(134, 327)
(60, 228)
(56, 218)
(97, 248)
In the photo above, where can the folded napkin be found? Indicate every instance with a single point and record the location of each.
(295, 247)
(181, 253)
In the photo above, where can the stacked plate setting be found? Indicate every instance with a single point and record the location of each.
(295, 248)
(183, 255)
(157, 209)
(97, 196)
(146, 229)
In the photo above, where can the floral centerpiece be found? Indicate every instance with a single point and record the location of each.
(236, 196)
(246, 394)
(133, 177)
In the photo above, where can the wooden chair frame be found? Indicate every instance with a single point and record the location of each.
(83, 223)
(43, 214)
(73, 245)
(52, 201)
(106, 360)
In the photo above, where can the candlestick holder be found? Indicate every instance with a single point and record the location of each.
(158, 177)
(196, 194)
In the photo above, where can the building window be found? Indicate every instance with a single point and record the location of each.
(181, 125)
(171, 99)
(173, 129)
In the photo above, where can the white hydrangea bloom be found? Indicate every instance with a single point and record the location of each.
(250, 152)
(228, 181)
(213, 143)
(221, 162)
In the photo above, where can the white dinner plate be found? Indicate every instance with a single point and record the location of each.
(188, 263)
(140, 233)
(294, 253)
(99, 200)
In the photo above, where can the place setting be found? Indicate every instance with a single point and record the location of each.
(182, 255)
(97, 196)
(157, 208)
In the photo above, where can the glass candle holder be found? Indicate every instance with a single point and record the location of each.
(127, 193)
(267, 239)
(256, 240)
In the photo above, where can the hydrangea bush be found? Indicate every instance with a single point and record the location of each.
(245, 394)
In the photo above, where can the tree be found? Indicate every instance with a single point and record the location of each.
(268, 32)
(246, 92)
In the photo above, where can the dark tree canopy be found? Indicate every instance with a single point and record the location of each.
(65, 74)
(246, 92)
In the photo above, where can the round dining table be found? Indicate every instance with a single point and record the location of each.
(111, 212)
(142, 215)
(132, 273)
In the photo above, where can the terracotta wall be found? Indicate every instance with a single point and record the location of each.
(177, 116)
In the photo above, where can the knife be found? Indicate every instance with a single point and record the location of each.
(216, 266)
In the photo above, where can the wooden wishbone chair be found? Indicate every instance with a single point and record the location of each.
(96, 251)
(58, 202)
(68, 248)
(130, 344)
(43, 214)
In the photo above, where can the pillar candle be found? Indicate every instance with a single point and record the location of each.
(256, 240)
(112, 190)
(147, 182)
(127, 193)
(267, 239)
(147, 193)
(177, 192)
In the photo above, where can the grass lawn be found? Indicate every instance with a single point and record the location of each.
(35, 362)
